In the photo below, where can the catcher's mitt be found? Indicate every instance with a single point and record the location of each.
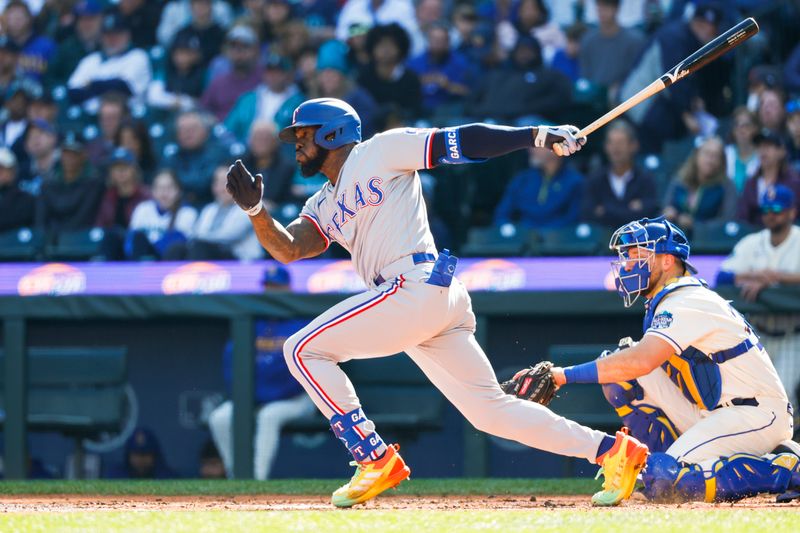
(534, 383)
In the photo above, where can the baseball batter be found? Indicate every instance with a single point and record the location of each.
(699, 388)
(373, 207)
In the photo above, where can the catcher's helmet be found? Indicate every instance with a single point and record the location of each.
(653, 235)
(338, 122)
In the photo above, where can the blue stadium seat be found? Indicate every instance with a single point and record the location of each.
(24, 244)
(495, 241)
(78, 245)
(718, 237)
(575, 240)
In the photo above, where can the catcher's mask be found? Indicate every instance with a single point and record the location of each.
(648, 237)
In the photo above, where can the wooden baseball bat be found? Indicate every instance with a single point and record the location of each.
(712, 50)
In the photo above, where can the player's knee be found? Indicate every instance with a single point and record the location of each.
(221, 416)
(622, 395)
(289, 349)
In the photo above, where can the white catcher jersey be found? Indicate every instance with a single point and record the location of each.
(376, 210)
(698, 317)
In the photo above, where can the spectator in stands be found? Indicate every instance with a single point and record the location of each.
(241, 50)
(531, 18)
(294, 39)
(358, 56)
(134, 137)
(14, 126)
(396, 89)
(143, 458)
(205, 28)
(178, 13)
(793, 129)
(197, 156)
(445, 75)
(773, 170)
(17, 207)
(621, 190)
(765, 259)
(791, 71)
(373, 13)
(85, 40)
(9, 54)
(331, 80)
(671, 114)
(472, 38)
(273, 100)
(546, 195)
(428, 13)
(741, 156)
(279, 397)
(161, 222)
(125, 191)
(112, 113)
(70, 199)
(274, 17)
(702, 191)
(772, 110)
(222, 230)
(609, 51)
(43, 107)
(142, 17)
(522, 91)
(183, 80)
(36, 51)
(41, 147)
(265, 157)
(117, 67)
(566, 60)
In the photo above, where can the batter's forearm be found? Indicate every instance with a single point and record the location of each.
(284, 245)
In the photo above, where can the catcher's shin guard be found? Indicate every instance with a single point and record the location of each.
(730, 479)
(647, 423)
(372, 478)
(620, 466)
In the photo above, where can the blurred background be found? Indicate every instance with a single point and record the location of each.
(133, 292)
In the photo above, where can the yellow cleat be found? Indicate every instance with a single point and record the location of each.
(620, 466)
(372, 478)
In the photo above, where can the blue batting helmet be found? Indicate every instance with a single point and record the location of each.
(338, 122)
(653, 235)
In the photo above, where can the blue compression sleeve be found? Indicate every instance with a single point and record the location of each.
(725, 278)
(482, 141)
(583, 373)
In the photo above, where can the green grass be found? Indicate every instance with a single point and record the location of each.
(298, 486)
(560, 520)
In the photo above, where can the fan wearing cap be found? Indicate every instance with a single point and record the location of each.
(278, 396)
(117, 67)
(14, 128)
(9, 54)
(41, 149)
(698, 387)
(773, 170)
(241, 74)
(764, 259)
(17, 207)
(273, 99)
(203, 26)
(182, 82)
(84, 40)
(70, 199)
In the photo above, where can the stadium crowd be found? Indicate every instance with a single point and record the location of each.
(121, 114)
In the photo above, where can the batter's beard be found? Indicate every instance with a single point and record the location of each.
(314, 165)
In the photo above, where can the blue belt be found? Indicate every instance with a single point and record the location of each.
(416, 258)
(743, 347)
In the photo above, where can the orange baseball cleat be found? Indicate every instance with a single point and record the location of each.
(372, 478)
(620, 466)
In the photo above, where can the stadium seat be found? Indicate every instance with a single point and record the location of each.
(495, 241)
(718, 237)
(79, 245)
(582, 403)
(580, 239)
(77, 391)
(395, 394)
(24, 244)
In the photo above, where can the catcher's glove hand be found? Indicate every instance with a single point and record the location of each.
(534, 383)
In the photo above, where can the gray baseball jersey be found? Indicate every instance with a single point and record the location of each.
(376, 210)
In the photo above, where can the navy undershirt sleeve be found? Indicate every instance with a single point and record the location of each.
(482, 141)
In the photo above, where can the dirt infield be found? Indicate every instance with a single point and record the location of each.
(266, 502)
